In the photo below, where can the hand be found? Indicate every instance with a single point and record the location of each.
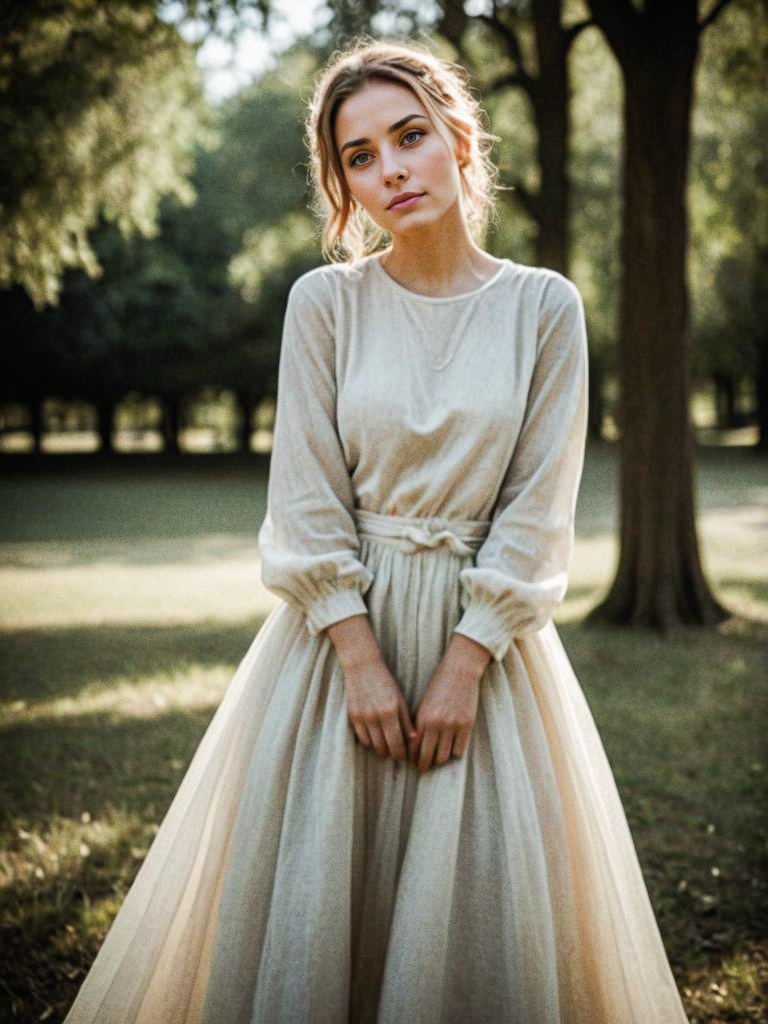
(447, 712)
(377, 709)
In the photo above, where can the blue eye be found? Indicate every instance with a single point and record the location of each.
(413, 131)
(354, 162)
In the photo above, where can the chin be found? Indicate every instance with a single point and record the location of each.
(416, 221)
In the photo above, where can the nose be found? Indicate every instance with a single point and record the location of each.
(392, 166)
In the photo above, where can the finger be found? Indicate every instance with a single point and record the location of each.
(460, 742)
(394, 737)
(414, 744)
(410, 731)
(377, 738)
(427, 751)
(444, 746)
(361, 733)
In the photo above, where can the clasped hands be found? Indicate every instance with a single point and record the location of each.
(378, 713)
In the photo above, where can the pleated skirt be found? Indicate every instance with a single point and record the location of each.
(299, 878)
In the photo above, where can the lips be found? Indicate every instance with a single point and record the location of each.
(404, 200)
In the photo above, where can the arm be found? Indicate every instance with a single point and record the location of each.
(520, 573)
(308, 541)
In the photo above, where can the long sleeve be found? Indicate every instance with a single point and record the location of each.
(308, 541)
(519, 575)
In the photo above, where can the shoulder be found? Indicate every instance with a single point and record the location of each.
(551, 291)
(322, 285)
(556, 304)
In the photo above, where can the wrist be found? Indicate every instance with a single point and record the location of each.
(472, 657)
(355, 643)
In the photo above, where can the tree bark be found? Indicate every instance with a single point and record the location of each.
(171, 423)
(245, 424)
(659, 581)
(36, 422)
(105, 410)
(761, 389)
(548, 92)
(725, 401)
(550, 99)
(596, 405)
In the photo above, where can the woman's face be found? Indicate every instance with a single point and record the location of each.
(389, 147)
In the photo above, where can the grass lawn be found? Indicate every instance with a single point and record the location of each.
(129, 591)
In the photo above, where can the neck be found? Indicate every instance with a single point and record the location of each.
(441, 259)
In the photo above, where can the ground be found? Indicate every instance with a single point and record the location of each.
(129, 591)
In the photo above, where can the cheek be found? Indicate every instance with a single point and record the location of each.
(439, 163)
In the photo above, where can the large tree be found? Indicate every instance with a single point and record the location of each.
(659, 580)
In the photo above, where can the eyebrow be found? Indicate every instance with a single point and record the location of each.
(392, 128)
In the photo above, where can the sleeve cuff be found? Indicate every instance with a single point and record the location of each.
(483, 624)
(332, 606)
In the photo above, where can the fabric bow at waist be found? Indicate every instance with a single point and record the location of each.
(462, 536)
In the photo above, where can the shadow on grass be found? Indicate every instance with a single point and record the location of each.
(95, 764)
(114, 500)
(44, 664)
(681, 721)
(95, 780)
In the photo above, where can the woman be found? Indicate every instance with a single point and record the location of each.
(402, 810)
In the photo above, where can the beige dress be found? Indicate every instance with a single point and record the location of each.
(426, 463)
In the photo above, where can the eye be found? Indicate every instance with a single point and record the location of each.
(354, 162)
(414, 134)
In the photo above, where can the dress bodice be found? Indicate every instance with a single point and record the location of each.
(464, 407)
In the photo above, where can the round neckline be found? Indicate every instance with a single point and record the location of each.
(375, 259)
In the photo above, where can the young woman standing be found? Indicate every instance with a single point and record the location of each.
(402, 810)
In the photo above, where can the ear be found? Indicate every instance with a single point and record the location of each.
(462, 151)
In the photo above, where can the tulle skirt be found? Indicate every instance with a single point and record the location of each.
(298, 877)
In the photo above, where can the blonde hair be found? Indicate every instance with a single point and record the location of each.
(442, 87)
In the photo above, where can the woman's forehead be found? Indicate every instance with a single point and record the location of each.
(374, 109)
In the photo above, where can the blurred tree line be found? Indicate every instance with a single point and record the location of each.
(148, 240)
(167, 232)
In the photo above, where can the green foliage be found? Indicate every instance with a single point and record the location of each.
(201, 303)
(100, 105)
(729, 194)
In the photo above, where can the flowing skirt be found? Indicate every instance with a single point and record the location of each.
(299, 878)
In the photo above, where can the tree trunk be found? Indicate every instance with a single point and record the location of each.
(36, 422)
(548, 91)
(549, 97)
(171, 423)
(596, 404)
(105, 417)
(761, 390)
(245, 424)
(725, 401)
(659, 580)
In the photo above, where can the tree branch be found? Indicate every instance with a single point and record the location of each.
(619, 21)
(527, 199)
(509, 36)
(572, 31)
(709, 19)
(509, 80)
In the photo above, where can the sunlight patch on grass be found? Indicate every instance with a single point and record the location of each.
(732, 990)
(102, 593)
(39, 857)
(191, 688)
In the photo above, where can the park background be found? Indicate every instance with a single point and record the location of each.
(153, 215)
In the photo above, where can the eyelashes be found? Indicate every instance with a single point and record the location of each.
(417, 132)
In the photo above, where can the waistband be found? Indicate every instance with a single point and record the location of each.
(462, 536)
